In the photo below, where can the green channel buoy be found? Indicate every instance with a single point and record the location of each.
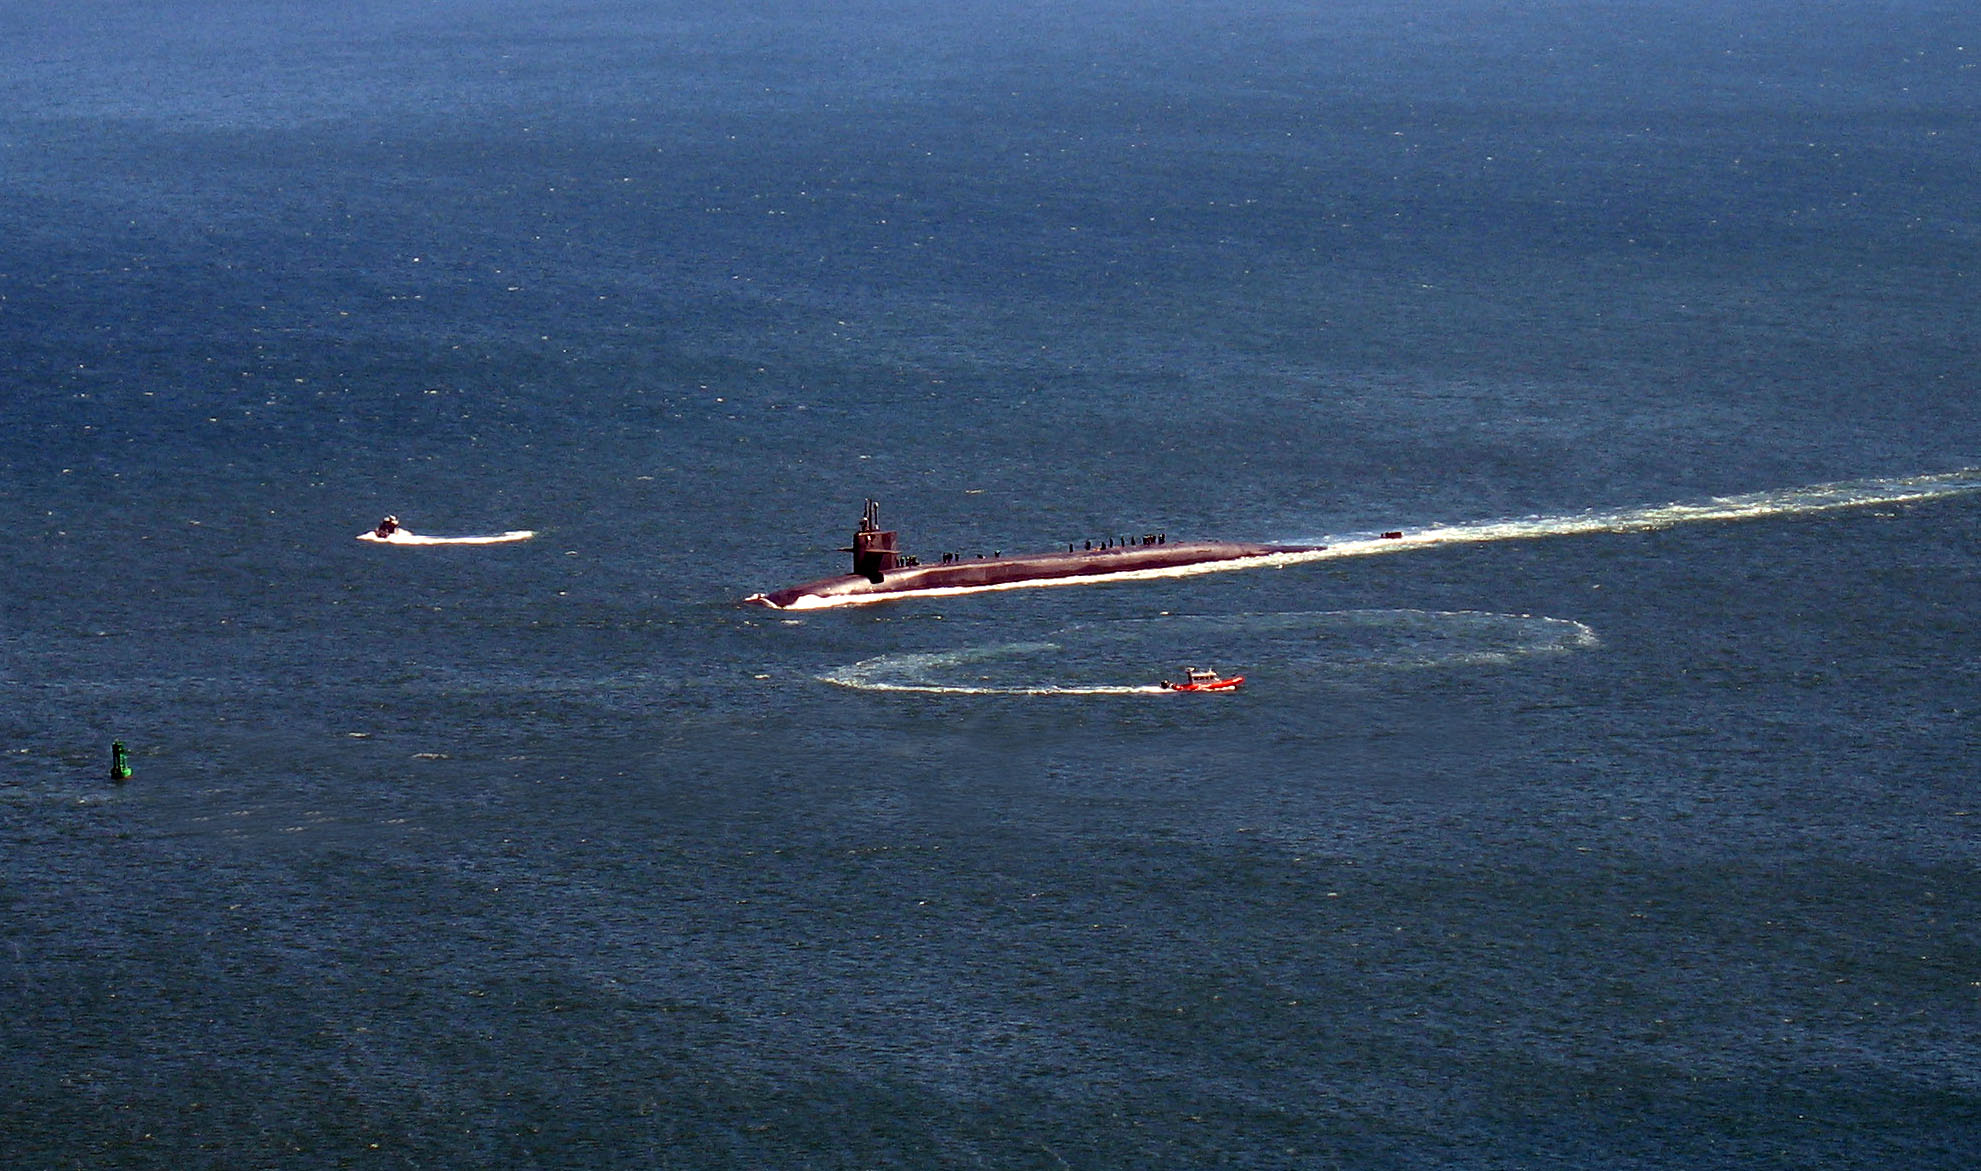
(120, 761)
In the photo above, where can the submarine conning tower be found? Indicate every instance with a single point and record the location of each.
(875, 550)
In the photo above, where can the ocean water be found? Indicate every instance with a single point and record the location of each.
(1621, 814)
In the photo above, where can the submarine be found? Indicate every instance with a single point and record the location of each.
(881, 572)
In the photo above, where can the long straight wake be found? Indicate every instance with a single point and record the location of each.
(1815, 498)
(949, 689)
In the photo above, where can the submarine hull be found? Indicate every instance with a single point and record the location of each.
(988, 573)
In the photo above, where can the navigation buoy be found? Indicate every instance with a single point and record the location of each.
(120, 761)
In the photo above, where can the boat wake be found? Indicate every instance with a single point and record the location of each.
(941, 673)
(1274, 650)
(402, 537)
(1815, 498)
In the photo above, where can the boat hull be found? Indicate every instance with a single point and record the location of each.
(1035, 569)
(1231, 684)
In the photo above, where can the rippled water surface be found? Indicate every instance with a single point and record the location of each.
(1620, 813)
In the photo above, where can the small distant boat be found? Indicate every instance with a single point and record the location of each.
(1204, 679)
(391, 532)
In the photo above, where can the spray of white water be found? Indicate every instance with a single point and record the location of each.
(1815, 498)
(937, 673)
(402, 537)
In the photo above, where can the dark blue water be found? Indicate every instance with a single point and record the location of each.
(1592, 833)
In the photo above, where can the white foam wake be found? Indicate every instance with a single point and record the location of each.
(933, 672)
(1815, 498)
(402, 537)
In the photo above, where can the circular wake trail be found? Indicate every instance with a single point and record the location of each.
(1298, 650)
(928, 673)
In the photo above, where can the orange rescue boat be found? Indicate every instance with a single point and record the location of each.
(1204, 679)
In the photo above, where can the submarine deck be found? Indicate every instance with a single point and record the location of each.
(1031, 568)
